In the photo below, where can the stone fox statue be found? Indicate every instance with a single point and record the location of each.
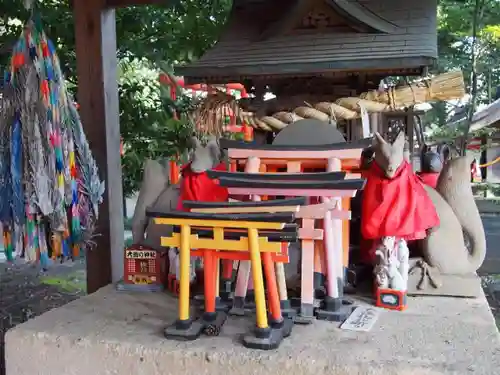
(445, 246)
(157, 192)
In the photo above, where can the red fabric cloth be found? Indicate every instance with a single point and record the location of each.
(430, 179)
(198, 187)
(397, 207)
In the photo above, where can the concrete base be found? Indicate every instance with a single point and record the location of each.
(113, 332)
(122, 287)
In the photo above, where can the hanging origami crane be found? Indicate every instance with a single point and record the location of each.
(47, 171)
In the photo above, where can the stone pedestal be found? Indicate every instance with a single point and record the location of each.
(113, 332)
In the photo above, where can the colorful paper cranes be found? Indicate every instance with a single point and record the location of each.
(49, 186)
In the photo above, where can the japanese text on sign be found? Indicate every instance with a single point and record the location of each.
(140, 254)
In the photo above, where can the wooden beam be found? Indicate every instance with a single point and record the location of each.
(234, 73)
(95, 34)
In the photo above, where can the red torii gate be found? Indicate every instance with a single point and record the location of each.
(174, 82)
(179, 81)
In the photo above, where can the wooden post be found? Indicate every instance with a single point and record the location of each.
(410, 133)
(95, 35)
(255, 260)
(243, 281)
(333, 243)
(374, 122)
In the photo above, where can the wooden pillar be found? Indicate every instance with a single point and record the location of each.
(410, 132)
(95, 36)
(374, 122)
(484, 157)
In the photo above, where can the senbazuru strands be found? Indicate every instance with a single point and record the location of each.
(49, 184)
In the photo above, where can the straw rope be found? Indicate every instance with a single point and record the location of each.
(446, 86)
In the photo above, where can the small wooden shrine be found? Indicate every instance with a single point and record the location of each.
(319, 52)
(339, 46)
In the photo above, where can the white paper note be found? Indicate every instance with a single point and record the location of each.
(362, 319)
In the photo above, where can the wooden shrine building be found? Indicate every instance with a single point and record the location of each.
(320, 48)
(347, 45)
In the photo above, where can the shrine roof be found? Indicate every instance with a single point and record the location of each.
(321, 36)
(488, 116)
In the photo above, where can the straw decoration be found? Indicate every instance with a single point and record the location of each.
(46, 167)
(287, 117)
(209, 117)
(443, 87)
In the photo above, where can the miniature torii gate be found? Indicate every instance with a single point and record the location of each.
(273, 158)
(329, 158)
(296, 159)
(307, 234)
(251, 241)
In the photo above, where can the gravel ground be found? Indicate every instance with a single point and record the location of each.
(491, 287)
(490, 270)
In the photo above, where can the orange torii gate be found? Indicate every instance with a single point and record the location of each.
(336, 240)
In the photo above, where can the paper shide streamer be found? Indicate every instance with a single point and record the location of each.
(48, 176)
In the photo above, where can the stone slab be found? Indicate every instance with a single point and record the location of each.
(460, 286)
(113, 332)
(487, 206)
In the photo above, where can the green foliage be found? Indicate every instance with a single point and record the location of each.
(456, 43)
(72, 283)
(149, 131)
(483, 187)
(455, 19)
(148, 38)
(158, 33)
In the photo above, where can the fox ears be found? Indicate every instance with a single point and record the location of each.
(398, 142)
(378, 139)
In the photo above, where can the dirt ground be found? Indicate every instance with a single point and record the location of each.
(25, 292)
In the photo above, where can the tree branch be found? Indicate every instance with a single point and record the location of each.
(478, 10)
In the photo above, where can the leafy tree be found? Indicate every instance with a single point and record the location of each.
(174, 34)
(164, 136)
(146, 36)
(456, 39)
(468, 39)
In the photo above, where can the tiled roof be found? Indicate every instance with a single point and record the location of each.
(241, 51)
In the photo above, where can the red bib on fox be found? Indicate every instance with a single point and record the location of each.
(397, 207)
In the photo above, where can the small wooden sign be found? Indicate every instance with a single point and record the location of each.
(362, 319)
(140, 254)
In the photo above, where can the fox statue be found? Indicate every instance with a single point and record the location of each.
(157, 193)
(457, 245)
